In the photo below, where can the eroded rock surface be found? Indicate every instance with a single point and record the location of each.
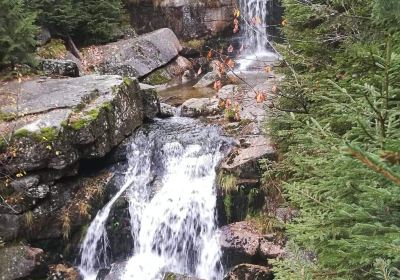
(57, 124)
(188, 19)
(249, 272)
(200, 107)
(242, 242)
(56, 67)
(18, 262)
(134, 57)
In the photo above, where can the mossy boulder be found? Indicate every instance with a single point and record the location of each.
(59, 123)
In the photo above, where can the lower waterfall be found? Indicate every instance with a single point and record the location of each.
(170, 187)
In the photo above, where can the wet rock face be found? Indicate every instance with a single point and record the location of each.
(17, 262)
(135, 57)
(188, 19)
(249, 272)
(242, 243)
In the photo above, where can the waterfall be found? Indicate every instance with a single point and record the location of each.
(94, 246)
(171, 193)
(254, 14)
(255, 40)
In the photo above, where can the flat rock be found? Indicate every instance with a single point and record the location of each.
(17, 262)
(135, 57)
(243, 162)
(200, 107)
(250, 108)
(41, 95)
(207, 80)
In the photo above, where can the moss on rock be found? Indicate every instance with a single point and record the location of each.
(55, 49)
(158, 77)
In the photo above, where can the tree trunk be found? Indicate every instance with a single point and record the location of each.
(72, 47)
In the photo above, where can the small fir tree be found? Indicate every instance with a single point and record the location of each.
(17, 33)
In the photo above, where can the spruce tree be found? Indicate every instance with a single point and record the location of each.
(17, 33)
(101, 19)
(340, 145)
(86, 21)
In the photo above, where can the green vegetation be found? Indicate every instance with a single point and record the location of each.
(21, 133)
(339, 136)
(17, 33)
(47, 134)
(196, 44)
(89, 21)
(228, 203)
(55, 49)
(227, 182)
(89, 117)
(170, 276)
(158, 77)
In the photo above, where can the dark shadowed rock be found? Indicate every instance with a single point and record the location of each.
(63, 272)
(135, 57)
(43, 36)
(242, 242)
(9, 226)
(17, 262)
(56, 67)
(249, 272)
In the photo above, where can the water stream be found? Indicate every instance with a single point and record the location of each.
(255, 15)
(170, 188)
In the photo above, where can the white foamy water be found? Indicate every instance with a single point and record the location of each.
(255, 16)
(172, 201)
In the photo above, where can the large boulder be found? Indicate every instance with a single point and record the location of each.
(57, 124)
(207, 80)
(61, 121)
(134, 57)
(243, 162)
(249, 272)
(58, 67)
(200, 107)
(188, 19)
(18, 262)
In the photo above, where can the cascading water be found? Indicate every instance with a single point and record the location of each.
(172, 201)
(255, 41)
(254, 13)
